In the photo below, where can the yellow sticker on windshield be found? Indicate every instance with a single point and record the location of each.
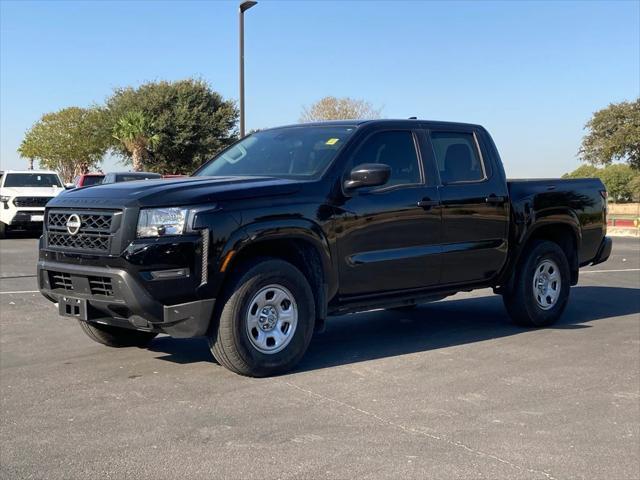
(332, 141)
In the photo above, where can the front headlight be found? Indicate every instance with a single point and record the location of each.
(158, 222)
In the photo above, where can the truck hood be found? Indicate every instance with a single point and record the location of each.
(31, 191)
(176, 192)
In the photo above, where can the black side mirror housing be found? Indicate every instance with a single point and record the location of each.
(368, 175)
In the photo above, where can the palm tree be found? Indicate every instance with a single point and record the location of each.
(135, 131)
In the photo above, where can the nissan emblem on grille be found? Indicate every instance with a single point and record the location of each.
(73, 224)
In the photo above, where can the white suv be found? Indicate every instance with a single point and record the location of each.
(23, 195)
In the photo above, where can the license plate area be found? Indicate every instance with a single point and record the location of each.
(37, 218)
(73, 307)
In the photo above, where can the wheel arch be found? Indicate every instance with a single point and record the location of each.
(565, 232)
(297, 241)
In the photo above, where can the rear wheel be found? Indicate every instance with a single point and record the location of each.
(541, 287)
(265, 319)
(116, 336)
(3, 230)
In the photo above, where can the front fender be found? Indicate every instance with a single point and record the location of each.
(286, 229)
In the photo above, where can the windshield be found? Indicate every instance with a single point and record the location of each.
(291, 152)
(32, 180)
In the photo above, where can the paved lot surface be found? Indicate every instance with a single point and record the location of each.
(451, 390)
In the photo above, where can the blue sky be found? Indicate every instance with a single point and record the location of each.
(531, 72)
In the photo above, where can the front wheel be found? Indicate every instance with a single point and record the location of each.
(116, 336)
(265, 320)
(541, 288)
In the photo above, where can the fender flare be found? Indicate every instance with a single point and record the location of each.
(557, 217)
(564, 217)
(287, 229)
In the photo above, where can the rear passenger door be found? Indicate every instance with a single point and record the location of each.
(475, 210)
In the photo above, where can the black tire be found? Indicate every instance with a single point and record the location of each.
(3, 230)
(116, 336)
(229, 340)
(521, 301)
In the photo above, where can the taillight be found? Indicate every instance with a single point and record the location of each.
(605, 196)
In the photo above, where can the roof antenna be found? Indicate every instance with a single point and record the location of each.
(413, 118)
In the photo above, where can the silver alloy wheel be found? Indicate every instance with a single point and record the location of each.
(546, 284)
(272, 318)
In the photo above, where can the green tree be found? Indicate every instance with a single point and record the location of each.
(135, 132)
(613, 134)
(70, 141)
(191, 122)
(617, 178)
(332, 108)
(583, 171)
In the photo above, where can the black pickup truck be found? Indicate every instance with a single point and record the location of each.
(293, 224)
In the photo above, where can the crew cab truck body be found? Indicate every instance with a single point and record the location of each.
(23, 195)
(291, 225)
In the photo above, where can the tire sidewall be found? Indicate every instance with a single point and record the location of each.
(545, 251)
(270, 273)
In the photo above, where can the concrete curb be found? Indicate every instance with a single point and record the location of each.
(623, 232)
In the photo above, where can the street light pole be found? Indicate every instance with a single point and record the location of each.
(244, 6)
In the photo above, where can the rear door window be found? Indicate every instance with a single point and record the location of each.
(457, 157)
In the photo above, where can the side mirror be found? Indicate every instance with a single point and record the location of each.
(69, 186)
(368, 175)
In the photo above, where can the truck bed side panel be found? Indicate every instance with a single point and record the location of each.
(574, 202)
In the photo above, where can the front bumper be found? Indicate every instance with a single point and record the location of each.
(122, 301)
(604, 251)
(25, 219)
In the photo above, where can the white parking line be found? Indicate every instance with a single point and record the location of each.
(612, 271)
(20, 291)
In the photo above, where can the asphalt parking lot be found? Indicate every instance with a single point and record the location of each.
(451, 390)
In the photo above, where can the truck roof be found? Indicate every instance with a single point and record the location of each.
(132, 173)
(29, 171)
(398, 121)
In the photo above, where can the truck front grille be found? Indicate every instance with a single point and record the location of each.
(93, 235)
(31, 201)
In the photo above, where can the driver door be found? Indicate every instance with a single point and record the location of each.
(390, 235)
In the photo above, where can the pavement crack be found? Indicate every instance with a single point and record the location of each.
(416, 431)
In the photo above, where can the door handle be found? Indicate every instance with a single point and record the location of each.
(495, 199)
(427, 203)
